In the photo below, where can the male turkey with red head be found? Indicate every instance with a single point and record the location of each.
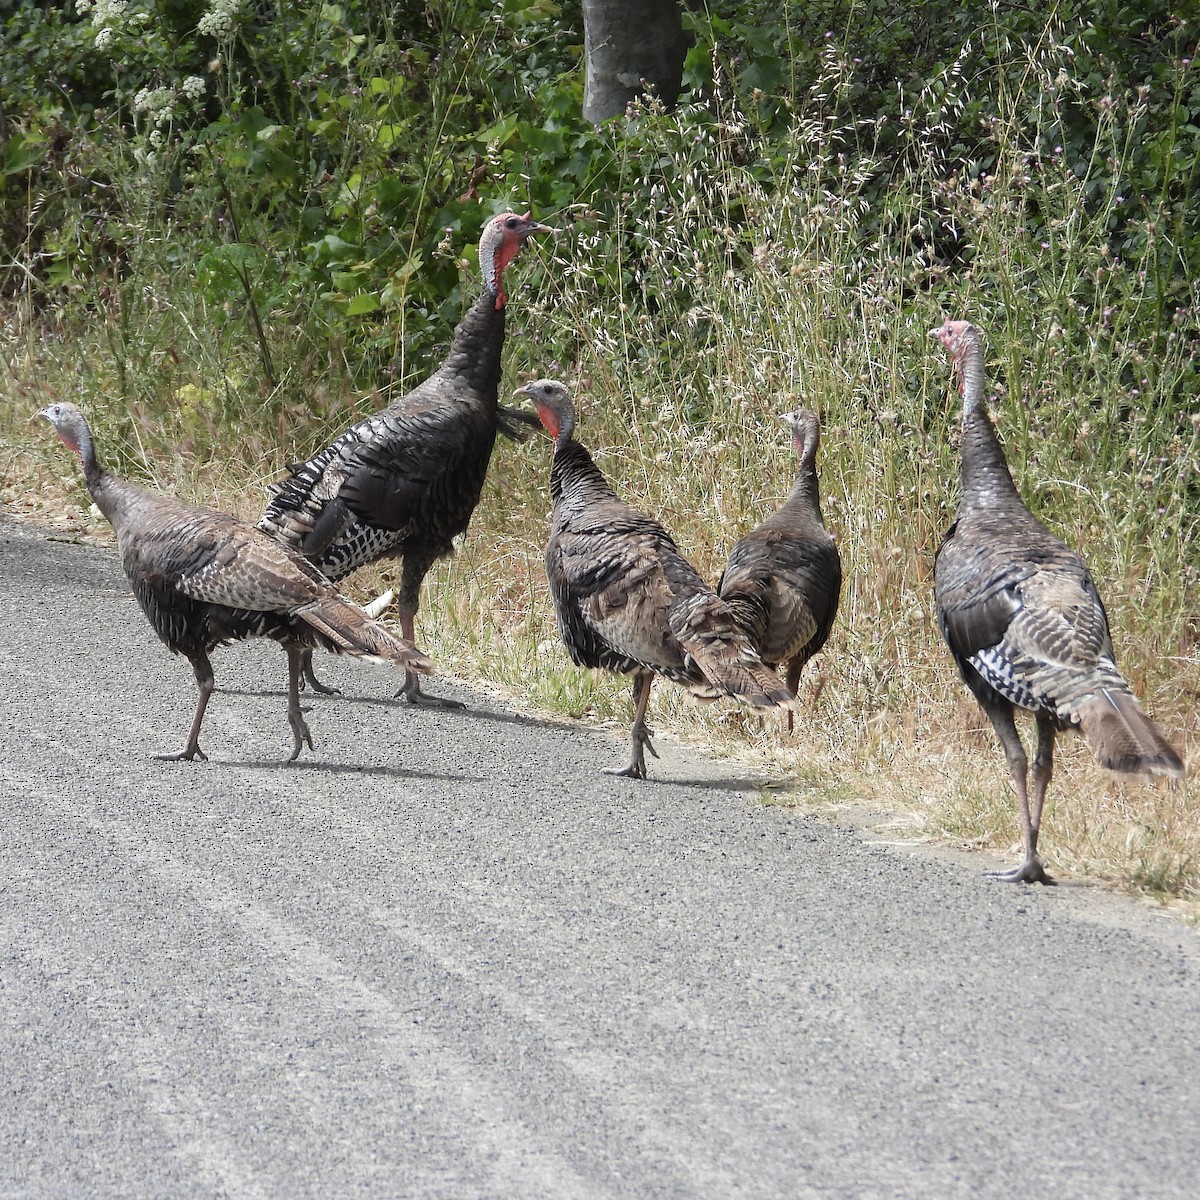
(404, 481)
(626, 600)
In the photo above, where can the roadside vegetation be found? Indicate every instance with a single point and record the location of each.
(229, 230)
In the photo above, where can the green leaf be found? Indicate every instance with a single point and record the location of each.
(386, 136)
(363, 303)
(498, 133)
(21, 152)
(334, 248)
(766, 74)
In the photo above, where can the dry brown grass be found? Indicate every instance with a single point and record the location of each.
(885, 722)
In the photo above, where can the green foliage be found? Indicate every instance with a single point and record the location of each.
(361, 146)
(310, 179)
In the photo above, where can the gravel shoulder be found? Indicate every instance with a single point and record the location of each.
(443, 955)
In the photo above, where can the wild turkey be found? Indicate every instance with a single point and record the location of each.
(204, 579)
(405, 481)
(626, 600)
(783, 579)
(1025, 623)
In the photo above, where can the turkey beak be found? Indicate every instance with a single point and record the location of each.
(523, 414)
(532, 227)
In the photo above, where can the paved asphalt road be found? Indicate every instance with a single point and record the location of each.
(444, 956)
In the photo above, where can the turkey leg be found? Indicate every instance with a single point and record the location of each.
(1032, 869)
(308, 679)
(300, 731)
(411, 691)
(639, 735)
(205, 682)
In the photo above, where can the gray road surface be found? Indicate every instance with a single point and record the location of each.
(443, 956)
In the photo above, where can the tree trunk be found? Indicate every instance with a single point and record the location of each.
(630, 47)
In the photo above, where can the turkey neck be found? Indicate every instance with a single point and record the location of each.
(805, 496)
(474, 357)
(984, 475)
(574, 477)
(107, 490)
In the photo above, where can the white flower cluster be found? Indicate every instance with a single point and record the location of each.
(157, 103)
(104, 12)
(105, 15)
(220, 20)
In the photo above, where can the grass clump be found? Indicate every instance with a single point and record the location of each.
(719, 262)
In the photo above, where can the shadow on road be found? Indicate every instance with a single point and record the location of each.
(333, 768)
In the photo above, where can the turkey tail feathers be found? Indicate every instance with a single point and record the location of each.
(516, 424)
(749, 682)
(706, 631)
(1123, 738)
(751, 611)
(351, 631)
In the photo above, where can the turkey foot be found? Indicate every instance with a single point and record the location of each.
(206, 686)
(192, 752)
(411, 691)
(639, 739)
(1030, 871)
(308, 679)
(300, 732)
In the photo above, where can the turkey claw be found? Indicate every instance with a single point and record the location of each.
(1031, 871)
(635, 770)
(411, 691)
(301, 736)
(309, 680)
(192, 752)
(639, 737)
